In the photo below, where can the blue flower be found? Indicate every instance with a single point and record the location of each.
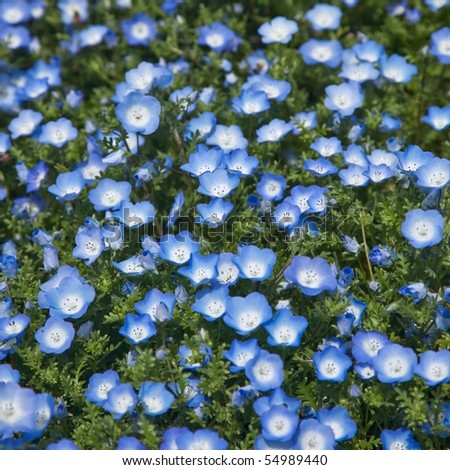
(155, 398)
(315, 436)
(68, 185)
(338, 419)
(279, 423)
(400, 439)
(304, 120)
(438, 118)
(56, 336)
(201, 269)
(228, 138)
(12, 327)
(57, 133)
(139, 30)
(246, 314)
(285, 329)
(265, 371)
(36, 176)
(435, 174)
(214, 213)
(44, 411)
(121, 400)
(312, 276)
(344, 98)
(326, 147)
(366, 344)
(218, 37)
(240, 353)
(211, 303)
(135, 215)
(218, 183)
(90, 245)
(369, 51)
(175, 210)
(413, 158)
(70, 298)
(322, 51)
(255, 263)
(99, 385)
(158, 305)
(138, 328)
(423, 228)
(286, 216)
(251, 102)
(271, 187)
(439, 45)
(19, 409)
(279, 29)
(147, 76)
(323, 16)
(396, 69)
(360, 73)
(394, 363)
(417, 291)
(201, 127)
(350, 244)
(178, 248)
(8, 374)
(227, 271)
(203, 160)
(109, 194)
(139, 113)
(382, 256)
(277, 397)
(26, 122)
(434, 367)
(331, 364)
(320, 167)
(130, 443)
(203, 439)
(274, 131)
(63, 444)
(275, 89)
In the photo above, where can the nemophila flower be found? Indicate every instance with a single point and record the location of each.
(155, 398)
(175, 210)
(389, 123)
(355, 155)
(190, 359)
(218, 37)
(99, 385)
(326, 147)
(68, 186)
(17, 409)
(255, 263)
(440, 45)
(70, 299)
(139, 30)
(275, 89)
(13, 326)
(382, 157)
(442, 318)
(90, 245)
(57, 133)
(240, 353)
(246, 314)
(382, 256)
(400, 439)
(200, 269)
(8, 374)
(56, 336)
(438, 118)
(312, 276)
(360, 73)
(200, 127)
(184, 98)
(251, 102)
(147, 76)
(277, 397)
(345, 323)
(132, 266)
(178, 248)
(135, 215)
(274, 131)
(228, 138)
(304, 120)
(211, 303)
(203, 439)
(366, 344)
(258, 62)
(279, 29)
(138, 328)
(227, 271)
(394, 363)
(379, 173)
(109, 194)
(120, 400)
(413, 158)
(63, 444)
(93, 35)
(265, 371)
(338, 419)
(139, 113)
(368, 51)
(44, 411)
(6, 306)
(331, 364)
(214, 213)
(54, 282)
(350, 244)
(434, 367)
(279, 423)
(354, 175)
(26, 122)
(130, 443)
(397, 69)
(315, 436)
(271, 187)
(218, 183)
(423, 228)
(203, 160)
(321, 51)
(286, 215)
(344, 98)
(435, 174)
(417, 291)
(365, 371)
(240, 163)
(323, 16)
(285, 329)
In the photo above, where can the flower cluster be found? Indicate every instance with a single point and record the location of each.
(226, 229)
